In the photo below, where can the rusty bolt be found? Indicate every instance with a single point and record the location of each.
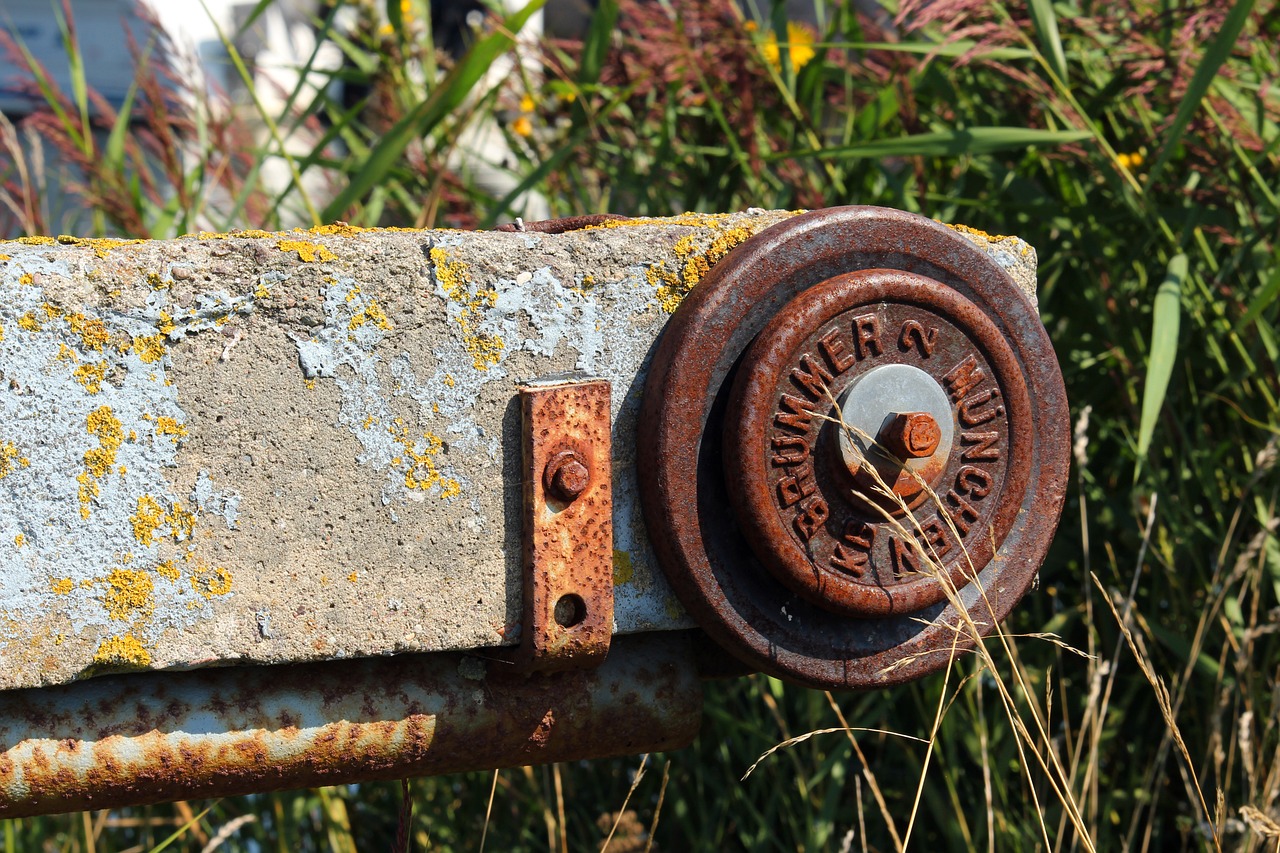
(911, 435)
(566, 476)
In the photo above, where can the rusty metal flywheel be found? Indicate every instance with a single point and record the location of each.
(855, 412)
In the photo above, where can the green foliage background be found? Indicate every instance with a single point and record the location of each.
(1133, 143)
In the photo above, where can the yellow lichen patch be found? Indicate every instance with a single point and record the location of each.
(353, 577)
(167, 326)
(261, 291)
(210, 582)
(337, 229)
(371, 313)
(353, 293)
(122, 651)
(103, 424)
(37, 241)
(168, 570)
(455, 279)
(11, 458)
(88, 491)
(1, 331)
(307, 252)
(26, 278)
(4, 257)
(147, 519)
(695, 256)
(62, 586)
(66, 353)
(421, 472)
(90, 376)
(129, 594)
(974, 232)
(92, 331)
(252, 233)
(150, 348)
(623, 570)
(29, 322)
(166, 425)
(51, 311)
(182, 523)
(100, 245)
(157, 281)
(19, 540)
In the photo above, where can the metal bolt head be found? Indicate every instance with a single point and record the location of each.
(911, 435)
(566, 476)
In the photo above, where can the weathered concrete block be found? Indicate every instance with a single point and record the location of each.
(295, 446)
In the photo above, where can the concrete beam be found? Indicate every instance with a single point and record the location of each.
(280, 447)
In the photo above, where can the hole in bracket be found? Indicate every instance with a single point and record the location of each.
(571, 610)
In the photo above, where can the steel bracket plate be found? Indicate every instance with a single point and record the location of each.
(568, 524)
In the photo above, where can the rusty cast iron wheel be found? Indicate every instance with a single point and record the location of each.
(765, 514)
(883, 350)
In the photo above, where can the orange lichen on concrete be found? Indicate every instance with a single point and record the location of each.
(129, 594)
(695, 256)
(211, 582)
(103, 424)
(150, 348)
(90, 376)
(122, 651)
(100, 245)
(307, 252)
(166, 425)
(147, 519)
(455, 279)
(11, 459)
(420, 471)
(371, 313)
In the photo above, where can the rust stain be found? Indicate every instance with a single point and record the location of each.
(568, 525)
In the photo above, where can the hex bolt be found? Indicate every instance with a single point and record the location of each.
(566, 476)
(911, 435)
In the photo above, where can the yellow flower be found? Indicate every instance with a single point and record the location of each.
(522, 126)
(1130, 161)
(527, 104)
(799, 47)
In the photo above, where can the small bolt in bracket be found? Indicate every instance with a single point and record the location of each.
(568, 525)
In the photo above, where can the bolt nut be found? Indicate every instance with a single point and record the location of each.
(566, 476)
(911, 435)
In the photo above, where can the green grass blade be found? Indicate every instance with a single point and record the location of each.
(254, 15)
(973, 140)
(1264, 298)
(1045, 21)
(596, 45)
(114, 152)
(75, 65)
(949, 50)
(1217, 53)
(442, 102)
(1166, 318)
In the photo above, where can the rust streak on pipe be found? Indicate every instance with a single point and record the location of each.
(136, 739)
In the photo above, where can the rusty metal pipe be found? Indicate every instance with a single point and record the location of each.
(145, 738)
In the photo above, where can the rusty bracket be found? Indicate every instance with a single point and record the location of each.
(568, 524)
